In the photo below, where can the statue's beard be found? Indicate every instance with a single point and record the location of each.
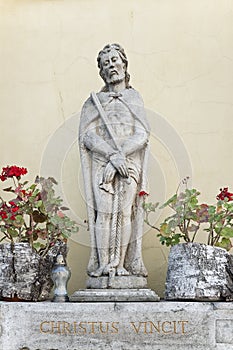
(114, 80)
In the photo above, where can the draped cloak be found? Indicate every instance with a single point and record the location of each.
(89, 115)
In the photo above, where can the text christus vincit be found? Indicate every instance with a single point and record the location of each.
(163, 327)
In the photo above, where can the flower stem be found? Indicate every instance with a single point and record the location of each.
(195, 232)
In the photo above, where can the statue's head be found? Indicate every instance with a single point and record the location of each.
(113, 63)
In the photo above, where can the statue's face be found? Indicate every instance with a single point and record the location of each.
(113, 68)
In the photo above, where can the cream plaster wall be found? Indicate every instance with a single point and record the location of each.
(181, 61)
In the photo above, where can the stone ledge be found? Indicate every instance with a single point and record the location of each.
(116, 326)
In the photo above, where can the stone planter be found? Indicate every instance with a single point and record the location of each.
(24, 274)
(199, 272)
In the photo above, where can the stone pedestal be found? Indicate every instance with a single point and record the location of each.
(117, 282)
(115, 288)
(116, 326)
(101, 295)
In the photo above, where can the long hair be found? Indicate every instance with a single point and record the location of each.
(122, 55)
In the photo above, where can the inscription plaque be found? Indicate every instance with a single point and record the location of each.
(116, 326)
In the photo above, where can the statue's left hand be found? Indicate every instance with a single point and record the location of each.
(109, 173)
(118, 160)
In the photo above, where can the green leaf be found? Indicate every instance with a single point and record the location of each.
(193, 202)
(176, 239)
(171, 200)
(12, 232)
(38, 217)
(172, 224)
(225, 243)
(42, 209)
(66, 233)
(19, 220)
(75, 228)
(39, 203)
(37, 245)
(150, 206)
(162, 239)
(211, 209)
(227, 232)
(165, 230)
(192, 192)
(218, 229)
(64, 208)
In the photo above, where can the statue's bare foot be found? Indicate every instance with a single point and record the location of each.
(121, 271)
(98, 272)
(144, 272)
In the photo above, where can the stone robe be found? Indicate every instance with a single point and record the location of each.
(126, 115)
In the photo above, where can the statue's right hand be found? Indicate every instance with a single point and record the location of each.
(118, 160)
(109, 173)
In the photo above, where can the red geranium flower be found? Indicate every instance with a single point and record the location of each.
(14, 206)
(11, 171)
(3, 214)
(143, 193)
(225, 194)
(14, 209)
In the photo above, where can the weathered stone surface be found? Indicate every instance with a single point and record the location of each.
(19, 270)
(24, 273)
(116, 326)
(117, 282)
(198, 271)
(93, 295)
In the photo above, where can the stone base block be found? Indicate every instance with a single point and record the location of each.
(116, 326)
(199, 272)
(117, 282)
(94, 295)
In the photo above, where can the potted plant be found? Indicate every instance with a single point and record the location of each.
(199, 271)
(34, 230)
